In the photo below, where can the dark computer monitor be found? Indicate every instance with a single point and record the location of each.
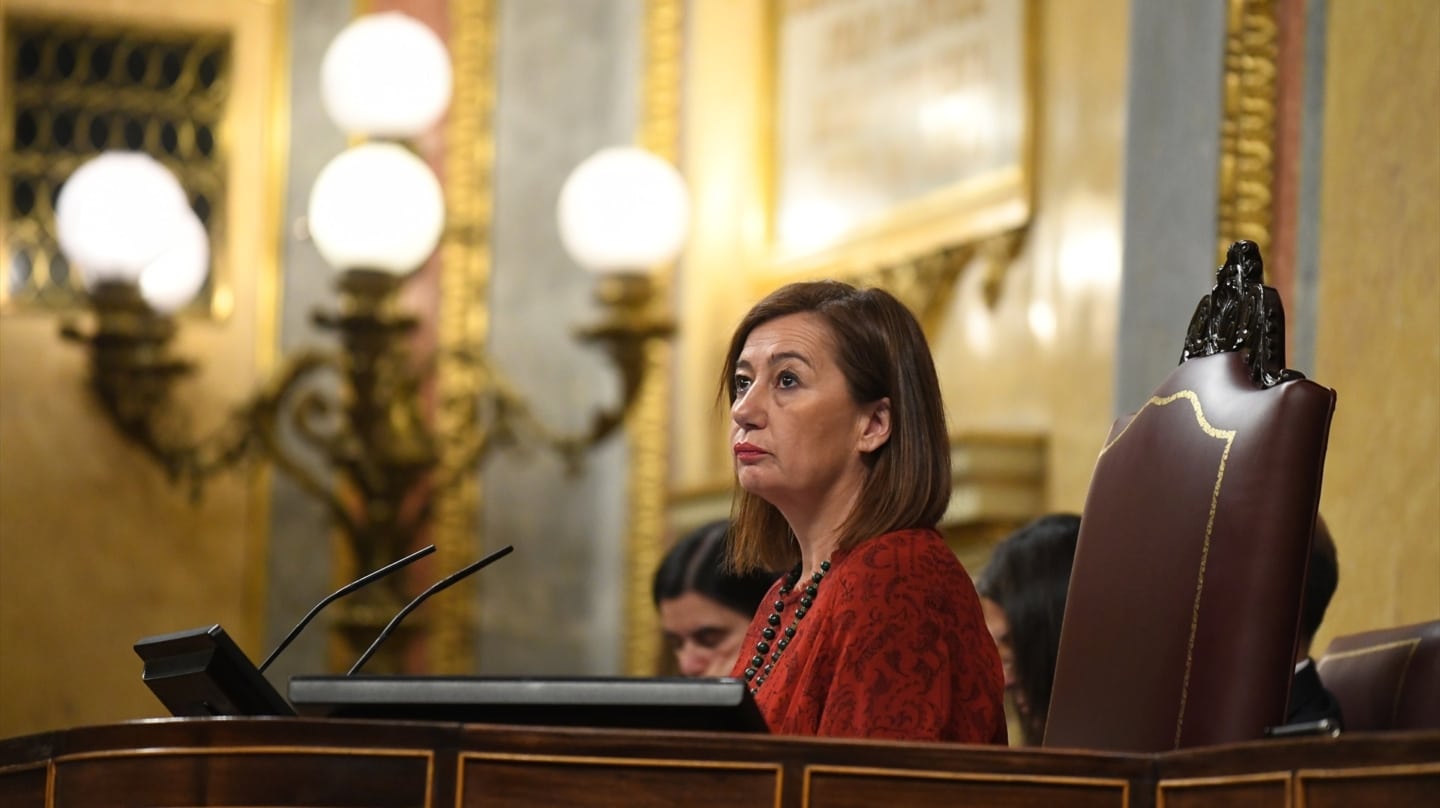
(202, 672)
(712, 704)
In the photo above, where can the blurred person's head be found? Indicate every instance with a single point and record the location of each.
(704, 608)
(1022, 592)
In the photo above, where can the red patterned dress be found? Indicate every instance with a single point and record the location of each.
(894, 646)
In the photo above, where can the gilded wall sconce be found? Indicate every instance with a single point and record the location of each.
(375, 213)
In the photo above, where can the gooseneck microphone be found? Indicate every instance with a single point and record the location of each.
(439, 586)
(364, 580)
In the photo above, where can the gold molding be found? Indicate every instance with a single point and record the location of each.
(463, 321)
(269, 291)
(925, 244)
(1249, 125)
(648, 425)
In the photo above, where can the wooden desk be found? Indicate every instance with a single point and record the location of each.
(295, 762)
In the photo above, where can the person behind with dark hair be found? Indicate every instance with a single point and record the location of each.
(1022, 590)
(704, 608)
(842, 464)
(1309, 700)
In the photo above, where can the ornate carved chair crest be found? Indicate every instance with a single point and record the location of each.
(1242, 314)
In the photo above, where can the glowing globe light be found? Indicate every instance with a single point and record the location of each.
(376, 206)
(624, 210)
(178, 273)
(116, 214)
(386, 75)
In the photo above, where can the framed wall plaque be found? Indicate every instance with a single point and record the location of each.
(899, 127)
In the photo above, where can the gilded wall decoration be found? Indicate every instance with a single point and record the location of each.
(648, 426)
(464, 280)
(1248, 128)
(900, 139)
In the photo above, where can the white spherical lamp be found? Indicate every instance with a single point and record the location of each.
(386, 75)
(177, 274)
(624, 210)
(376, 206)
(116, 213)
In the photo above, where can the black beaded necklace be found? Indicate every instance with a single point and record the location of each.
(759, 667)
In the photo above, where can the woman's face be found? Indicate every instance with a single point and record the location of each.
(704, 635)
(797, 435)
(999, 627)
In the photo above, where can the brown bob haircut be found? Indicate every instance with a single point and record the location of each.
(882, 352)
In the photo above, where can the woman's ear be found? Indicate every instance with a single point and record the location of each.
(876, 429)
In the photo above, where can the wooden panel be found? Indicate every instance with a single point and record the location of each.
(23, 786)
(491, 780)
(275, 777)
(1392, 787)
(836, 787)
(313, 762)
(1270, 790)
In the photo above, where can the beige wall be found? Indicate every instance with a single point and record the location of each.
(1378, 341)
(97, 548)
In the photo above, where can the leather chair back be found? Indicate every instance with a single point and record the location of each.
(1184, 602)
(1386, 679)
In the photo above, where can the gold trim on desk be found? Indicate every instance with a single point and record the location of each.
(778, 769)
(20, 768)
(978, 777)
(428, 755)
(288, 749)
(1220, 781)
(1366, 773)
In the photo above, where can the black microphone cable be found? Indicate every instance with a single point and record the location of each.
(364, 580)
(444, 583)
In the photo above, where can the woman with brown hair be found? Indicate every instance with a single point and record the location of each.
(842, 464)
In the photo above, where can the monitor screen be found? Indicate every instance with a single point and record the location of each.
(202, 672)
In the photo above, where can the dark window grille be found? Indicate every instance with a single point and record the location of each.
(73, 89)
